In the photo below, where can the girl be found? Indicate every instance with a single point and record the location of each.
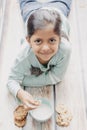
(45, 59)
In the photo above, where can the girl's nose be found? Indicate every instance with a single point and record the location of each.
(45, 47)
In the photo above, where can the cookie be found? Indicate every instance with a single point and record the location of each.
(61, 108)
(20, 123)
(20, 113)
(64, 116)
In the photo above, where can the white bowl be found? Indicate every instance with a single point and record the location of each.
(43, 112)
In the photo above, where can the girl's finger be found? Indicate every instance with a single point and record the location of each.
(35, 102)
(29, 106)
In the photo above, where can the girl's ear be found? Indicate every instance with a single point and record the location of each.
(28, 40)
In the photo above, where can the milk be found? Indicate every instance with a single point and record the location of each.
(42, 113)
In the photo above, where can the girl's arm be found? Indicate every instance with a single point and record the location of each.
(14, 85)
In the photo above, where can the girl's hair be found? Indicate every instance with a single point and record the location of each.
(41, 18)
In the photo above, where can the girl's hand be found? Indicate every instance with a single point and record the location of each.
(27, 100)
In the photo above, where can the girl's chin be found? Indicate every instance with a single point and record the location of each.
(44, 61)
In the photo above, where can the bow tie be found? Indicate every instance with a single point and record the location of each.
(37, 71)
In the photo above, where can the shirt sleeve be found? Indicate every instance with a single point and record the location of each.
(14, 85)
(16, 76)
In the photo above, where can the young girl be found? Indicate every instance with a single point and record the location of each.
(45, 59)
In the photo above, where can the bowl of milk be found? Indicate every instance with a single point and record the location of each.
(43, 112)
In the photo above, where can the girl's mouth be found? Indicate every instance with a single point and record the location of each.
(45, 53)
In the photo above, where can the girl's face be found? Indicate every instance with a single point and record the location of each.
(44, 43)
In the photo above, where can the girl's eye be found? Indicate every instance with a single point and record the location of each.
(52, 40)
(38, 41)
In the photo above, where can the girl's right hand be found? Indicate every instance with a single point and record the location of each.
(27, 100)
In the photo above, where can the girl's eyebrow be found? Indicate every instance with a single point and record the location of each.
(38, 38)
(54, 37)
